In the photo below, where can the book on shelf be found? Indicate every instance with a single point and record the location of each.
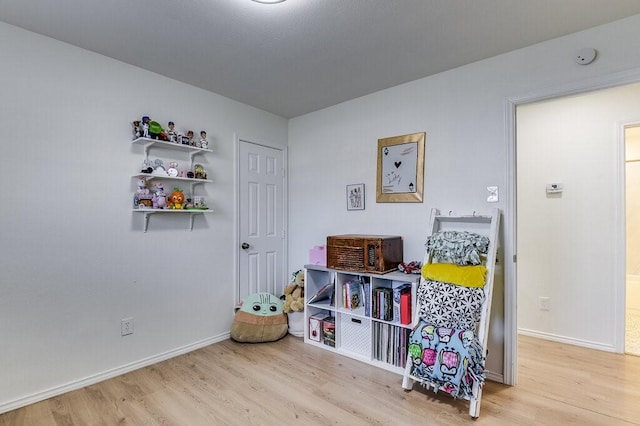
(329, 331)
(353, 294)
(383, 303)
(325, 293)
(405, 308)
(367, 299)
(390, 344)
(399, 287)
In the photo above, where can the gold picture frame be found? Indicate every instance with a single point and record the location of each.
(401, 169)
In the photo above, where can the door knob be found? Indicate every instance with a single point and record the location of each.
(245, 246)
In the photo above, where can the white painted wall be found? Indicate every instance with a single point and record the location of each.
(566, 241)
(463, 113)
(74, 259)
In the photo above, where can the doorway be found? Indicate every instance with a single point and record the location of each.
(632, 212)
(570, 217)
(261, 219)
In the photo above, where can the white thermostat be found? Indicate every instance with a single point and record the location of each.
(554, 188)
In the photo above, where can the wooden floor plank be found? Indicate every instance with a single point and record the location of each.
(285, 382)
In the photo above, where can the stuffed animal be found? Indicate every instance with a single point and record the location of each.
(159, 197)
(259, 319)
(176, 199)
(294, 294)
(143, 186)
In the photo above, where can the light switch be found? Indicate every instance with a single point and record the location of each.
(492, 194)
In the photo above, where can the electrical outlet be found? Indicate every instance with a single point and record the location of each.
(126, 326)
(544, 303)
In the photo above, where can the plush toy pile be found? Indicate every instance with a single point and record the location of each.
(294, 294)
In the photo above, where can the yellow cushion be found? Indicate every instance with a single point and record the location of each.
(467, 276)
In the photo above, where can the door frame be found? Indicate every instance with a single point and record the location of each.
(237, 140)
(621, 182)
(510, 373)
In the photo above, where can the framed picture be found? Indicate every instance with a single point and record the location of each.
(355, 196)
(400, 169)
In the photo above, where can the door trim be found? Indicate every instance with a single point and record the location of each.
(510, 217)
(237, 140)
(621, 229)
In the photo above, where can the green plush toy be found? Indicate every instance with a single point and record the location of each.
(259, 319)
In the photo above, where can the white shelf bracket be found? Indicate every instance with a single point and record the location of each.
(191, 221)
(146, 221)
(191, 155)
(147, 148)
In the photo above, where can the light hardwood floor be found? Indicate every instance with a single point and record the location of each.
(288, 382)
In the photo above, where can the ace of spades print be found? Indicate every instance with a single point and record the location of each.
(399, 168)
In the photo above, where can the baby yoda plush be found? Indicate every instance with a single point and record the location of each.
(259, 319)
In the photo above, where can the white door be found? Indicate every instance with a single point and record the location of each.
(261, 219)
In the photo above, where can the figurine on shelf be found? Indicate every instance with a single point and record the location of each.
(143, 187)
(172, 171)
(136, 129)
(146, 167)
(199, 172)
(159, 169)
(159, 197)
(183, 139)
(199, 203)
(145, 126)
(142, 198)
(173, 136)
(157, 132)
(176, 199)
(203, 140)
(190, 136)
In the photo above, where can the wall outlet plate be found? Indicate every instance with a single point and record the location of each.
(126, 326)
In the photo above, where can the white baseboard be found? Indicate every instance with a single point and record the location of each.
(567, 340)
(495, 377)
(90, 380)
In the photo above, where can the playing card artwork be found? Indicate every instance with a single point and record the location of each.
(399, 168)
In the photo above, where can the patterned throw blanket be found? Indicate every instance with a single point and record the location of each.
(444, 349)
(447, 359)
(457, 247)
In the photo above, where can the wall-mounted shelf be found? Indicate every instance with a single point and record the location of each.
(192, 151)
(150, 143)
(190, 212)
(191, 181)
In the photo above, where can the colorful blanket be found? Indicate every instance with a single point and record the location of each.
(446, 359)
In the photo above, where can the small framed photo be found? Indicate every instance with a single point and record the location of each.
(355, 196)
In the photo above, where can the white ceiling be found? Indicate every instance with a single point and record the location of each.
(299, 56)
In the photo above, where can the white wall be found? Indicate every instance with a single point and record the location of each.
(566, 241)
(74, 259)
(463, 113)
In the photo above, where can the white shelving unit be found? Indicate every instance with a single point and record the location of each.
(191, 151)
(358, 334)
